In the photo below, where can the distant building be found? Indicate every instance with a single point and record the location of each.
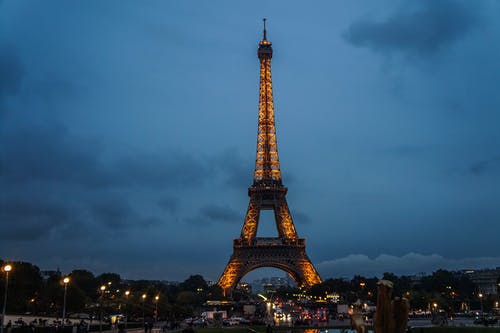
(245, 286)
(486, 280)
(269, 284)
(417, 279)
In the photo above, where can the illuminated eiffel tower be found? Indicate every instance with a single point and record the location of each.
(286, 252)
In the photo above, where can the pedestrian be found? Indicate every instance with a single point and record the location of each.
(269, 329)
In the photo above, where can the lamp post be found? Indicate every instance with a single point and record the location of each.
(65, 281)
(7, 268)
(481, 299)
(435, 305)
(157, 297)
(127, 293)
(143, 300)
(103, 288)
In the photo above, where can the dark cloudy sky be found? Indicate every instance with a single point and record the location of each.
(128, 132)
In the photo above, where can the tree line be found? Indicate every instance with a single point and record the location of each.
(31, 293)
(442, 290)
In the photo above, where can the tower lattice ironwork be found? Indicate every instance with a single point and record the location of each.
(287, 251)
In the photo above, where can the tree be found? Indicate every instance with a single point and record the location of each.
(106, 278)
(85, 281)
(187, 298)
(419, 299)
(214, 292)
(194, 283)
(76, 299)
(25, 283)
(52, 295)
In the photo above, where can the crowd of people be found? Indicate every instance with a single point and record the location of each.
(53, 325)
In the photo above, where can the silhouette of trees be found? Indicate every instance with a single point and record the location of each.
(29, 291)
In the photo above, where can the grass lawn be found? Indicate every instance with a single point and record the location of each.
(226, 330)
(262, 329)
(455, 330)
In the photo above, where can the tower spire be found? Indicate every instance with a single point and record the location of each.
(265, 35)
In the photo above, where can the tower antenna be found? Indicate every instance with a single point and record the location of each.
(265, 35)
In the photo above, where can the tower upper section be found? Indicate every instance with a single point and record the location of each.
(267, 166)
(265, 47)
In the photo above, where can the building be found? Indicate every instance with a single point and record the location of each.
(487, 281)
(270, 284)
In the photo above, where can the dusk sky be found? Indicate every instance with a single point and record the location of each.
(128, 133)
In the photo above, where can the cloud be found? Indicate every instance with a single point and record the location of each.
(169, 204)
(219, 213)
(173, 170)
(411, 263)
(50, 155)
(53, 182)
(209, 214)
(113, 212)
(235, 171)
(30, 217)
(424, 30)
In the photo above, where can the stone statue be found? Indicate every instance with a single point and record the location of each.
(357, 321)
(392, 314)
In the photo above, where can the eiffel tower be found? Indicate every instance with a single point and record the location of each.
(286, 252)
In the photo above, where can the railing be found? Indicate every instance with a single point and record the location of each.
(270, 241)
(265, 241)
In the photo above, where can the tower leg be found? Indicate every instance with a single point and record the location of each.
(249, 230)
(231, 275)
(284, 222)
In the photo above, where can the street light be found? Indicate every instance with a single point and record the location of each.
(127, 293)
(143, 300)
(103, 288)
(7, 268)
(481, 299)
(157, 297)
(65, 281)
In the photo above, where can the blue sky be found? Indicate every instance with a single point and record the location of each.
(128, 132)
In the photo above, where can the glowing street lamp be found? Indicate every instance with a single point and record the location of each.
(103, 288)
(269, 317)
(65, 281)
(481, 299)
(157, 297)
(7, 268)
(127, 293)
(143, 300)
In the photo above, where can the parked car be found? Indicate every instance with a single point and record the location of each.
(486, 320)
(230, 322)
